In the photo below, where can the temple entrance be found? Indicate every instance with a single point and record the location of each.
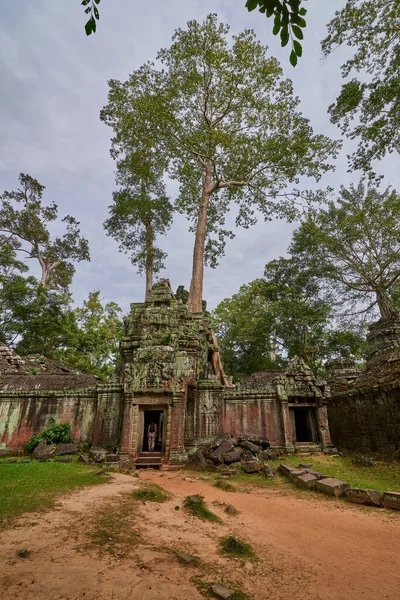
(304, 425)
(153, 419)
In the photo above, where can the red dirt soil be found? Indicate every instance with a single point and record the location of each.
(307, 547)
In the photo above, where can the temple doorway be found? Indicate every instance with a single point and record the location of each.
(304, 425)
(156, 418)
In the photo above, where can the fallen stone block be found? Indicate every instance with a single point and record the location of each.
(306, 480)
(368, 497)
(391, 500)
(126, 465)
(64, 459)
(296, 473)
(267, 455)
(197, 462)
(305, 466)
(62, 449)
(286, 469)
(270, 472)
(83, 459)
(98, 454)
(252, 447)
(187, 559)
(316, 473)
(233, 456)
(221, 591)
(332, 486)
(218, 453)
(252, 466)
(112, 458)
(43, 451)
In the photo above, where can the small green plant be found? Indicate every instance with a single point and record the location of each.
(33, 371)
(204, 587)
(56, 433)
(150, 492)
(224, 485)
(235, 548)
(196, 506)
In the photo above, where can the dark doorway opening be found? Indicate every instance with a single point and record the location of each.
(305, 425)
(157, 418)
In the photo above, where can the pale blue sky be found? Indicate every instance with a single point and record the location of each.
(53, 83)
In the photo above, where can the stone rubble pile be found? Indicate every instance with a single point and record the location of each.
(222, 454)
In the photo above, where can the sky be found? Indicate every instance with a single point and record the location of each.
(53, 84)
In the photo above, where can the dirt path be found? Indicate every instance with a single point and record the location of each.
(307, 548)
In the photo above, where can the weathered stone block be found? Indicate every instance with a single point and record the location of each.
(252, 466)
(66, 449)
(307, 480)
(368, 497)
(112, 458)
(98, 454)
(218, 453)
(44, 451)
(391, 500)
(64, 459)
(252, 447)
(83, 459)
(332, 486)
(270, 472)
(221, 591)
(197, 462)
(316, 473)
(286, 469)
(233, 456)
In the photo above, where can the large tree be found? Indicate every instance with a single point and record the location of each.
(232, 130)
(25, 220)
(368, 107)
(355, 243)
(141, 209)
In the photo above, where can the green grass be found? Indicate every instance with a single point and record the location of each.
(196, 506)
(151, 492)
(383, 476)
(233, 547)
(34, 486)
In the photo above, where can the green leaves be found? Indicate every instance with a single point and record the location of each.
(90, 26)
(288, 21)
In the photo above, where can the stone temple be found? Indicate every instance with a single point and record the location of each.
(170, 373)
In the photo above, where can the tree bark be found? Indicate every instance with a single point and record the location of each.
(385, 306)
(149, 259)
(196, 285)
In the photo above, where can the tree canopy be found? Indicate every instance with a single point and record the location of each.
(222, 112)
(26, 221)
(355, 242)
(368, 107)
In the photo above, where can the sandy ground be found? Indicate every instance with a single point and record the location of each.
(307, 548)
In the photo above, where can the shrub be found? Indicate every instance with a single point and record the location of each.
(56, 433)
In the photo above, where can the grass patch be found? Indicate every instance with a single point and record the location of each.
(151, 492)
(383, 476)
(233, 547)
(222, 484)
(204, 587)
(111, 529)
(34, 486)
(196, 506)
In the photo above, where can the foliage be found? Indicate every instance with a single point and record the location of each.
(355, 243)
(34, 486)
(141, 208)
(288, 21)
(55, 433)
(26, 221)
(93, 11)
(368, 107)
(288, 313)
(221, 112)
(47, 324)
(99, 329)
(196, 506)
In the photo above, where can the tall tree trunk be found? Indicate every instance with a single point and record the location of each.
(196, 285)
(149, 258)
(272, 352)
(385, 306)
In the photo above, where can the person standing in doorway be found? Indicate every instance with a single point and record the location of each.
(151, 436)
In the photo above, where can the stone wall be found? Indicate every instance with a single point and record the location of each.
(367, 421)
(255, 414)
(23, 414)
